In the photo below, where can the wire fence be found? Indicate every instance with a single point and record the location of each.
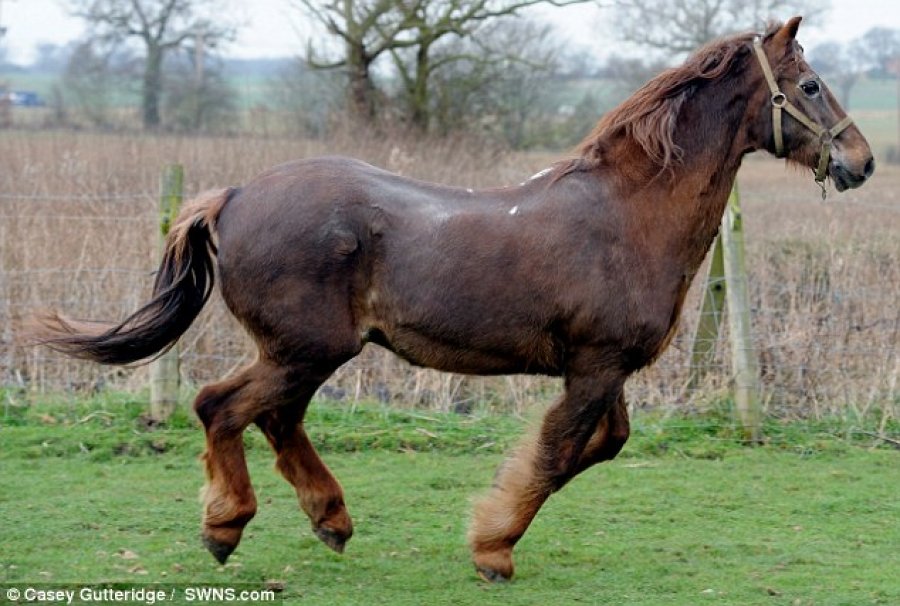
(826, 323)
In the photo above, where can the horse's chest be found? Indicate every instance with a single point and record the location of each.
(652, 324)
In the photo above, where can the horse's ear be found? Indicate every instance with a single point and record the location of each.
(788, 31)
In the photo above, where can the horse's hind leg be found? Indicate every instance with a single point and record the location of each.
(540, 467)
(319, 493)
(226, 409)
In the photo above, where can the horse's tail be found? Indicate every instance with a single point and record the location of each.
(183, 284)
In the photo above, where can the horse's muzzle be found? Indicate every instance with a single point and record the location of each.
(845, 177)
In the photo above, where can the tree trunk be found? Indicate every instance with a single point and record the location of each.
(421, 113)
(362, 93)
(845, 95)
(152, 86)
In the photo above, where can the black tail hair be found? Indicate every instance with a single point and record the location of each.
(183, 284)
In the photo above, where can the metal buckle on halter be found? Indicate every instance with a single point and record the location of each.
(821, 184)
(779, 99)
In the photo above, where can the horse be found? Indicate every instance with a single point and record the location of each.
(578, 273)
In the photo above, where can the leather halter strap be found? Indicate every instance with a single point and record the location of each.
(781, 102)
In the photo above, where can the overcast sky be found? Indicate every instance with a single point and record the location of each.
(275, 27)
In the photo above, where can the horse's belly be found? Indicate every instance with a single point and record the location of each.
(475, 357)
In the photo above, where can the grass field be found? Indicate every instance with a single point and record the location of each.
(684, 516)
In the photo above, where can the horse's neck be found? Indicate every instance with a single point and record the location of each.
(701, 201)
(686, 205)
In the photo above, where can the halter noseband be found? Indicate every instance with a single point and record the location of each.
(781, 102)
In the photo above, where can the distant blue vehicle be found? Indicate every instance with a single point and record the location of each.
(25, 98)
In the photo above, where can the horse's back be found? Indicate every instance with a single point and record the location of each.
(300, 244)
(335, 246)
(318, 257)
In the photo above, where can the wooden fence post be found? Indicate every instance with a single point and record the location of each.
(711, 311)
(5, 103)
(164, 371)
(745, 366)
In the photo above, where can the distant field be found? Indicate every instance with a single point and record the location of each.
(872, 94)
(37, 82)
(682, 517)
(880, 129)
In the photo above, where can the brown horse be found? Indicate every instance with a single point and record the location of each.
(580, 272)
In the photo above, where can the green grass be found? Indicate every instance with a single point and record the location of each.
(685, 516)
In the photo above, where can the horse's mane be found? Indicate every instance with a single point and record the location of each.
(648, 117)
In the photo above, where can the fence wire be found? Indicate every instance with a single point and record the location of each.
(826, 322)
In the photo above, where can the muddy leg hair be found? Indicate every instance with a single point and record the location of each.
(538, 467)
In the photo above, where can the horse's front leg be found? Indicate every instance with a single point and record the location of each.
(609, 436)
(539, 467)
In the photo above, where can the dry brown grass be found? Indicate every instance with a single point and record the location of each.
(78, 228)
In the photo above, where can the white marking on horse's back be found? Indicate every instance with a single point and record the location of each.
(539, 174)
(536, 175)
(514, 210)
(470, 190)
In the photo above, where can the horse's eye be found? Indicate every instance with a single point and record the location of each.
(810, 88)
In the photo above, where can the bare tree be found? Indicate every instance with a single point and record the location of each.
(305, 97)
(878, 48)
(841, 64)
(493, 81)
(630, 73)
(198, 97)
(161, 26)
(370, 28)
(94, 77)
(51, 57)
(680, 26)
(366, 29)
(485, 46)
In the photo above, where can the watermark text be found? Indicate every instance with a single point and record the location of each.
(140, 594)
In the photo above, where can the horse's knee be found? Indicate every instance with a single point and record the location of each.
(615, 440)
(607, 441)
(614, 435)
(227, 406)
(205, 405)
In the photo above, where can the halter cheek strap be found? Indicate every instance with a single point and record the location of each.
(780, 102)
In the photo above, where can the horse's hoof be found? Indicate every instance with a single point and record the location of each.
(220, 551)
(332, 538)
(490, 575)
(494, 566)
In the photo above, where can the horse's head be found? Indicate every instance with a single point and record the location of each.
(801, 120)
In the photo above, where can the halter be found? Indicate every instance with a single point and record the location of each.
(781, 102)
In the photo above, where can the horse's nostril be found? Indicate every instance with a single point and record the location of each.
(869, 168)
